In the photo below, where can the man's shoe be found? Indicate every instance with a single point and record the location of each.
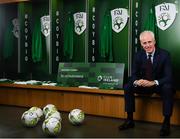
(126, 125)
(165, 130)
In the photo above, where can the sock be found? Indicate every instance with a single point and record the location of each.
(130, 116)
(167, 120)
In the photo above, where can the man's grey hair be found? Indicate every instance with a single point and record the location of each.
(147, 31)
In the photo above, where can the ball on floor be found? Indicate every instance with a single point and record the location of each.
(76, 116)
(29, 118)
(49, 107)
(37, 110)
(51, 126)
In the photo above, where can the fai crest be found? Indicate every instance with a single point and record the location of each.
(45, 25)
(16, 28)
(165, 15)
(119, 19)
(79, 22)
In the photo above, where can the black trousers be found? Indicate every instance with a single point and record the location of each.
(166, 92)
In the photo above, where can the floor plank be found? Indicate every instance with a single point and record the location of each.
(93, 127)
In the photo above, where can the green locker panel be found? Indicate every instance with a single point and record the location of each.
(25, 44)
(104, 43)
(56, 33)
(41, 47)
(74, 42)
(9, 39)
(98, 10)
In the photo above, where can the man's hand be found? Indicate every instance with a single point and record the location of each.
(145, 83)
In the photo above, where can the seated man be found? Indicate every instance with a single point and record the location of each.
(151, 72)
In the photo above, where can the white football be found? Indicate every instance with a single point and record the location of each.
(49, 107)
(51, 126)
(29, 118)
(37, 110)
(76, 116)
(54, 114)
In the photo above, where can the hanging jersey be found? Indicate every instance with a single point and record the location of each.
(37, 43)
(106, 38)
(9, 41)
(68, 37)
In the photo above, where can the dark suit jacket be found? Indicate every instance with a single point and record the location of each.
(162, 68)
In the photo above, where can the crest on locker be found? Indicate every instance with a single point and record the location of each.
(119, 19)
(165, 15)
(16, 28)
(79, 22)
(45, 25)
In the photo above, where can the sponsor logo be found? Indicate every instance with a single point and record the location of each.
(99, 78)
(106, 78)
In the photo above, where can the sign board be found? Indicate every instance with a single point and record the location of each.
(101, 75)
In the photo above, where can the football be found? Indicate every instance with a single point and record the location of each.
(54, 114)
(37, 110)
(29, 118)
(76, 116)
(49, 107)
(51, 126)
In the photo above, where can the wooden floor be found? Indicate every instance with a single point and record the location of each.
(93, 127)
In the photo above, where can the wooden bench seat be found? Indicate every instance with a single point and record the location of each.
(92, 101)
(109, 103)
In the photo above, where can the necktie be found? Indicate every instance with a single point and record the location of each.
(149, 68)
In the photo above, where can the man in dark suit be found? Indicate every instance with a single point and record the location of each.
(151, 72)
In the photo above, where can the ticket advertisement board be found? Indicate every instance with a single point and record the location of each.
(100, 75)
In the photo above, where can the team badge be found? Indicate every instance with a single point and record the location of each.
(45, 25)
(119, 19)
(79, 22)
(165, 15)
(16, 28)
